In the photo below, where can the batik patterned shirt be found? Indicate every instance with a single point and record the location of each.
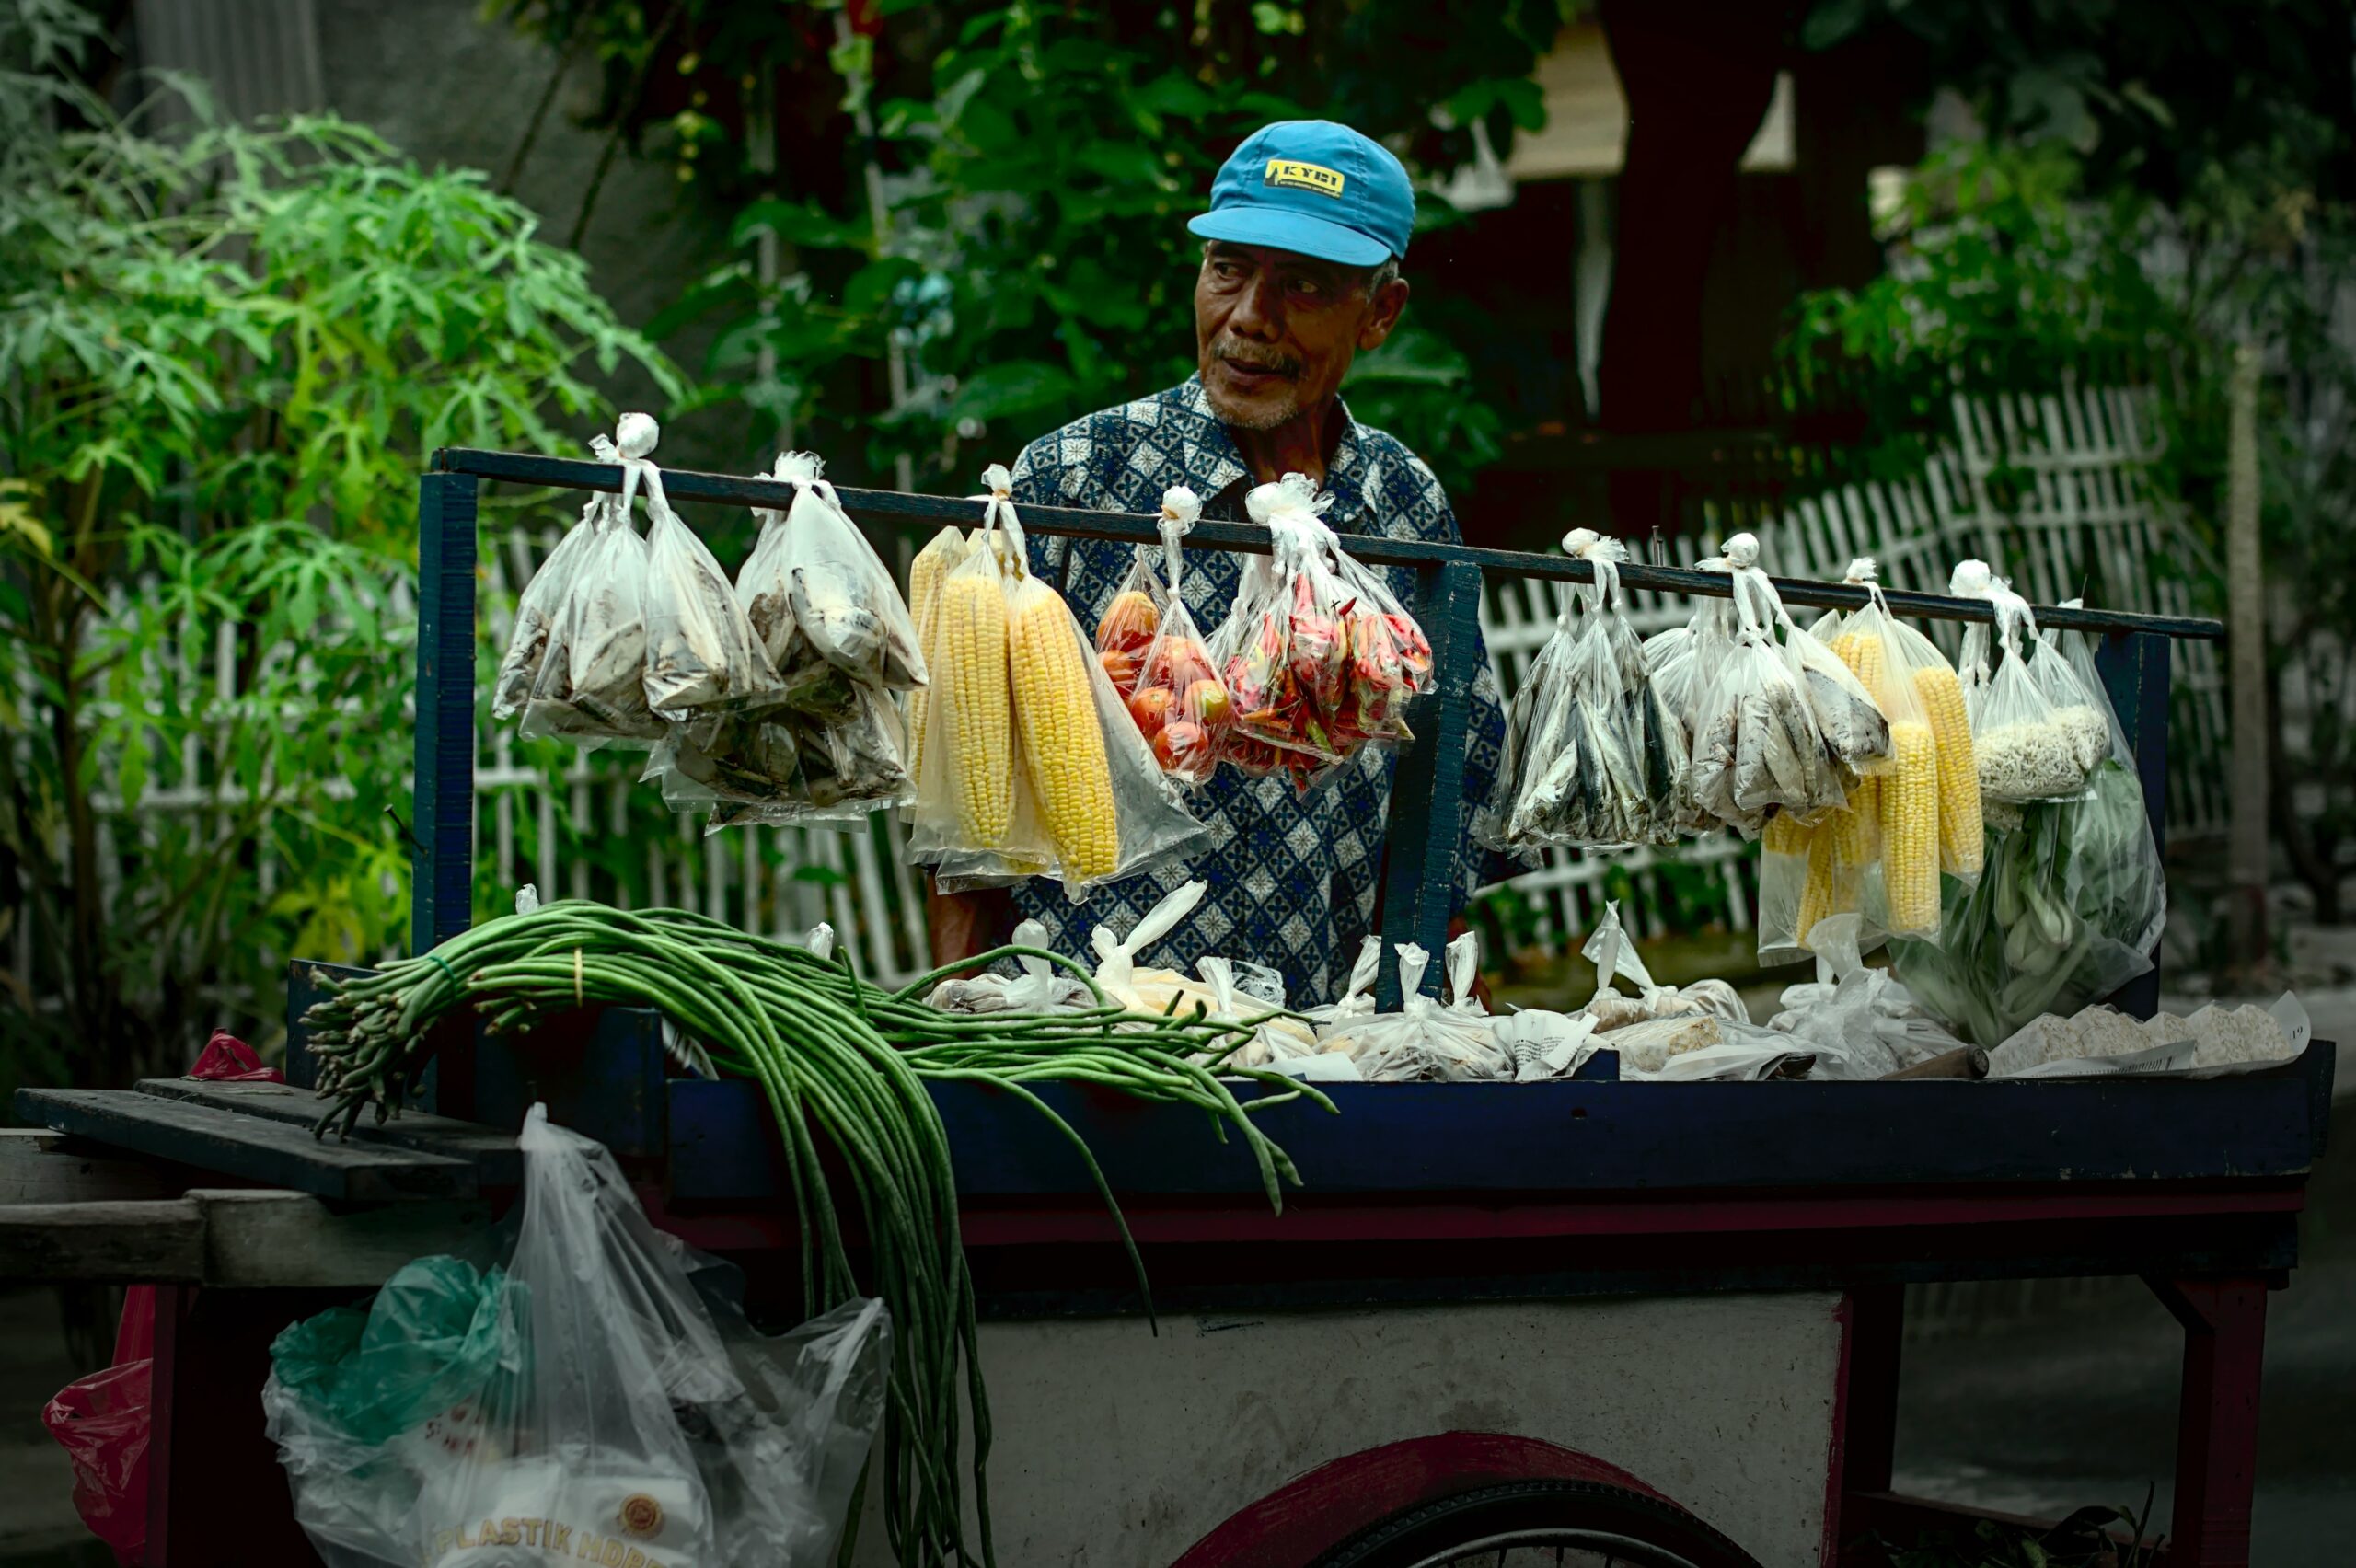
(1293, 881)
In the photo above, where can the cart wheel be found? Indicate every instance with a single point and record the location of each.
(1540, 1523)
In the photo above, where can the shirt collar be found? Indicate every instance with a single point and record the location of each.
(1351, 477)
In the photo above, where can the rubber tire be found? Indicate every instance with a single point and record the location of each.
(1464, 1520)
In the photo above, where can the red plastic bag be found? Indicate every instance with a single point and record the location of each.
(102, 1423)
(227, 1059)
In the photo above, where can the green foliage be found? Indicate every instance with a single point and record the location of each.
(224, 355)
(1028, 262)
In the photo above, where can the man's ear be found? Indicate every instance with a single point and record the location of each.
(1384, 315)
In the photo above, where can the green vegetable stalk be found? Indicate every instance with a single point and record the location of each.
(843, 1064)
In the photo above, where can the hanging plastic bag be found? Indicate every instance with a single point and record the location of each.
(591, 688)
(1427, 1040)
(589, 1400)
(1179, 702)
(775, 767)
(942, 553)
(2122, 886)
(1035, 986)
(1318, 656)
(1802, 883)
(1605, 761)
(1133, 619)
(2026, 751)
(1757, 745)
(821, 603)
(537, 610)
(104, 1423)
(1530, 716)
(1032, 765)
(2082, 710)
(701, 656)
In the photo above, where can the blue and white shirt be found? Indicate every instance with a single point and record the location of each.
(1292, 881)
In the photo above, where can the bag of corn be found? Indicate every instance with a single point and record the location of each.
(1033, 767)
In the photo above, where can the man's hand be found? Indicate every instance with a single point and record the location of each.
(962, 924)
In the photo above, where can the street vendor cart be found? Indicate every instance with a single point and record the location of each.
(1634, 1322)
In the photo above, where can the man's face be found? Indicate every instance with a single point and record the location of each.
(1275, 331)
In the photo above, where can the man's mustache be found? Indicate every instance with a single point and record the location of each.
(1258, 359)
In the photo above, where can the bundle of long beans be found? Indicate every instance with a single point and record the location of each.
(839, 1060)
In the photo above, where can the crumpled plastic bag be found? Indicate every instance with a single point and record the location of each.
(1612, 953)
(1861, 1021)
(1547, 1044)
(1253, 994)
(1036, 986)
(1426, 1040)
(590, 1395)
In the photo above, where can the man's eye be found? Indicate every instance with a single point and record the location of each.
(1308, 288)
(1226, 270)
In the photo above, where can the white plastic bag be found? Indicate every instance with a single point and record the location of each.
(1138, 988)
(1240, 993)
(1357, 1000)
(1547, 1044)
(624, 1407)
(1608, 947)
(1860, 1021)
(2025, 750)
(538, 609)
(1428, 1040)
(701, 657)
(1757, 742)
(591, 685)
(820, 602)
(1036, 986)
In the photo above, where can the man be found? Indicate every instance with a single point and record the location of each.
(1308, 226)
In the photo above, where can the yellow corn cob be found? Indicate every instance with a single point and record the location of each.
(1960, 836)
(1856, 832)
(1821, 895)
(1863, 656)
(1909, 828)
(972, 667)
(925, 574)
(1062, 738)
(1783, 835)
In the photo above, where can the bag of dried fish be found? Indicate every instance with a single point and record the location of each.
(1530, 719)
(821, 603)
(1757, 745)
(701, 658)
(591, 688)
(775, 766)
(537, 610)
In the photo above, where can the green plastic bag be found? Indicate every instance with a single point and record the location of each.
(428, 1340)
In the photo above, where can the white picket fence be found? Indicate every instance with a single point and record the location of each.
(2071, 464)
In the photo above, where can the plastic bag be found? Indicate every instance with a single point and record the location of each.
(1547, 1044)
(1036, 986)
(1757, 742)
(104, 1421)
(1802, 881)
(1609, 947)
(1241, 993)
(1428, 1040)
(1133, 619)
(1861, 1021)
(774, 765)
(1357, 1000)
(1318, 655)
(701, 656)
(1032, 763)
(1179, 702)
(2025, 749)
(1603, 763)
(590, 1401)
(942, 554)
(591, 688)
(2080, 706)
(2125, 889)
(821, 603)
(537, 610)
(1535, 703)
(1142, 989)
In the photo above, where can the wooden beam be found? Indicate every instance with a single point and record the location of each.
(242, 1238)
(160, 1241)
(39, 1166)
(493, 1152)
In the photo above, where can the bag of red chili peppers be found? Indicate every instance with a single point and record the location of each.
(1319, 656)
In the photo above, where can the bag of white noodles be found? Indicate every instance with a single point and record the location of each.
(1757, 742)
(1429, 1041)
(2025, 750)
(1032, 765)
(701, 657)
(591, 685)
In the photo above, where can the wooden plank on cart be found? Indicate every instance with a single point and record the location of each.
(38, 1166)
(494, 1154)
(263, 1238)
(274, 1153)
(159, 1240)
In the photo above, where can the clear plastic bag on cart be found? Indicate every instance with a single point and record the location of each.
(1179, 702)
(1035, 986)
(821, 603)
(1357, 1000)
(2024, 750)
(1253, 994)
(1861, 1023)
(1318, 655)
(1428, 1040)
(591, 688)
(1802, 883)
(2123, 885)
(1529, 717)
(942, 553)
(2082, 711)
(1757, 744)
(775, 766)
(701, 656)
(1546, 1045)
(1610, 949)
(592, 1396)
(1133, 619)
(538, 609)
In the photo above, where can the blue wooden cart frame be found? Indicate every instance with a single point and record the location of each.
(1428, 795)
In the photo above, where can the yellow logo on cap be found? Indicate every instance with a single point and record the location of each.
(1304, 176)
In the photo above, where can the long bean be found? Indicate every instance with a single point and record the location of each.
(840, 1060)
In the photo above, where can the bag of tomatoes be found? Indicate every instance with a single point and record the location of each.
(1181, 705)
(1320, 658)
(1132, 621)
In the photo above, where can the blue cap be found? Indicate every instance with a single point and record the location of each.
(1315, 187)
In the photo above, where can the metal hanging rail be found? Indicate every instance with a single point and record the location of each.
(1427, 799)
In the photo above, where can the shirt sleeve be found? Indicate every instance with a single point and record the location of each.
(1038, 481)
